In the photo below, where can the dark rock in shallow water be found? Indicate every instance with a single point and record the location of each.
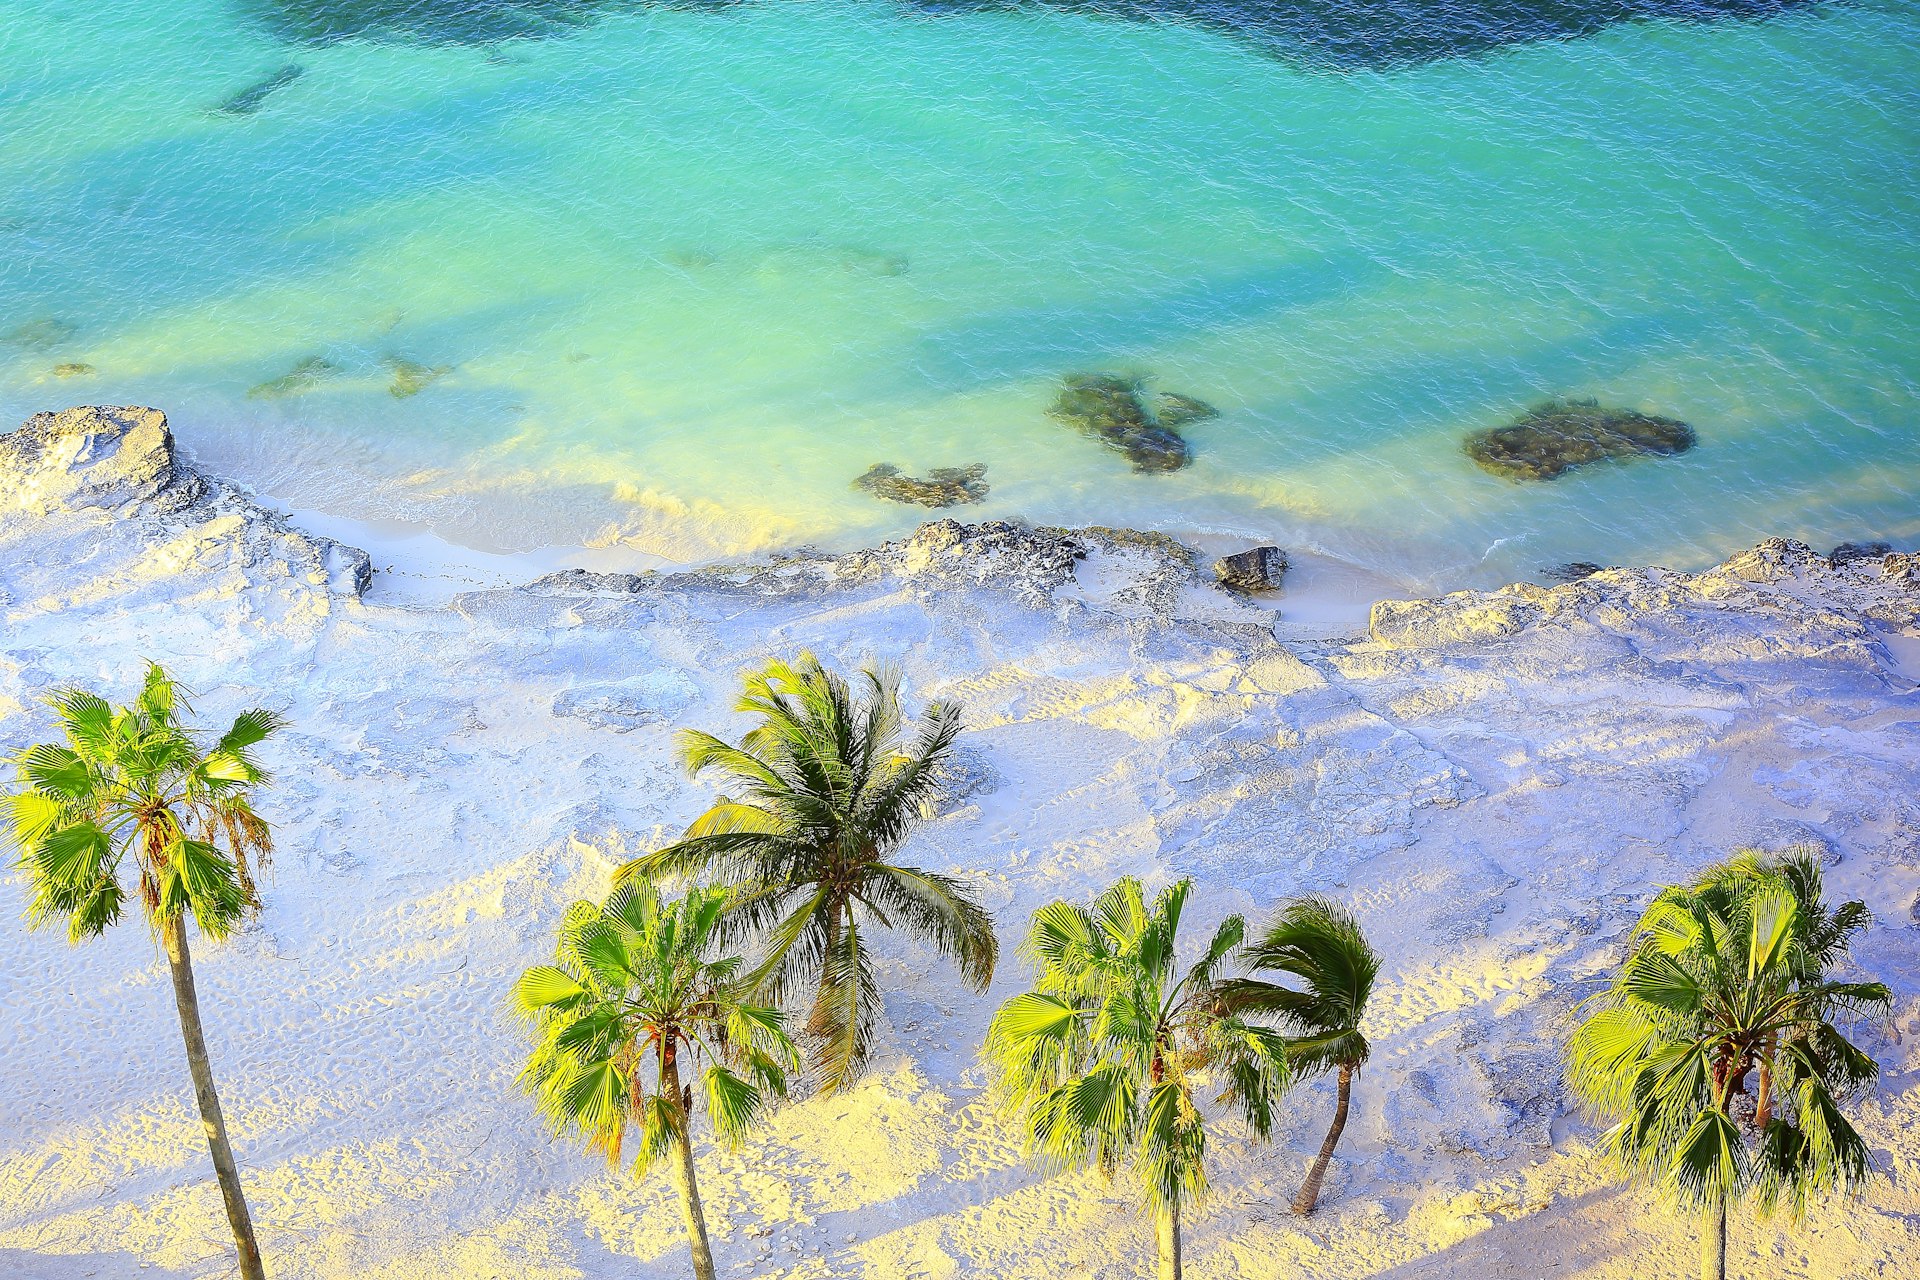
(1556, 436)
(302, 377)
(251, 98)
(1177, 411)
(72, 369)
(410, 377)
(1258, 569)
(1572, 571)
(1115, 410)
(943, 486)
(38, 335)
(1847, 552)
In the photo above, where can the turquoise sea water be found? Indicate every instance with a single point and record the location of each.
(685, 271)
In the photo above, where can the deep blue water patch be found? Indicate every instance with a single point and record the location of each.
(1338, 34)
(440, 21)
(1382, 34)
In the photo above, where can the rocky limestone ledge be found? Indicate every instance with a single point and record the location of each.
(1029, 563)
(119, 462)
(1777, 577)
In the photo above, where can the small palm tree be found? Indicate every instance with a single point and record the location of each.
(1726, 975)
(634, 1006)
(1105, 1056)
(829, 785)
(1320, 943)
(135, 783)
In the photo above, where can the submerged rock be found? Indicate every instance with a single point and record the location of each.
(302, 377)
(942, 487)
(1571, 571)
(1257, 569)
(1555, 436)
(251, 98)
(38, 335)
(410, 377)
(72, 369)
(1118, 412)
(1177, 411)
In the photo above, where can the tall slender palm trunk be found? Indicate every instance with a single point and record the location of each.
(187, 1003)
(1167, 1228)
(1310, 1190)
(690, 1207)
(1713, 1243)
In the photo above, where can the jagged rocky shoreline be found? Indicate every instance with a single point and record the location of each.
(1493, 778)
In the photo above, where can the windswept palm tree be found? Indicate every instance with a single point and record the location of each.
(635, 1006)
(135, 783)
(828, 786)
(1726, 975)
(1104, 1057)
(1320, 943)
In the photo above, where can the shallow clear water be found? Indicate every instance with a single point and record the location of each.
(688, 270)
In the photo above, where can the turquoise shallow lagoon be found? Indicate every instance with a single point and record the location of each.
(673, 276)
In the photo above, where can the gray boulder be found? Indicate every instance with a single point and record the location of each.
(1254, 570)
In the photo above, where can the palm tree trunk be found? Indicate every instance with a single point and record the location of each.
(690, 1208)
(1763, 1096)
(1713, 1243)
(187, 1003)
(1167, 1223)
(1310, 1190)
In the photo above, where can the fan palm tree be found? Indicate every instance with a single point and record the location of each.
(634, 1006)
(829, 785)
(1726, 975)
(1105, 1057)
(1320, 943)
(135, 783)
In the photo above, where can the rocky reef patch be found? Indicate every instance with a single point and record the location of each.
(942, 486)
(1121, 413)
(410, 377)
(41, 334)
(303, 377)
(1555, 436)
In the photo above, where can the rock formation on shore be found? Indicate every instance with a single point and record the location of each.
(84, 471)
(1496, 780)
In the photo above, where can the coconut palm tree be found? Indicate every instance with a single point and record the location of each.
(134, 783)
(1320, 943)
(1729, 974)
(829, 784)
(635, 1006)
(1105, 1058)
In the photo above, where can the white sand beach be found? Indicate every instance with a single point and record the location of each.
(1496, 782)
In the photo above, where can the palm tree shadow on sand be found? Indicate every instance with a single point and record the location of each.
(31, 1264)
